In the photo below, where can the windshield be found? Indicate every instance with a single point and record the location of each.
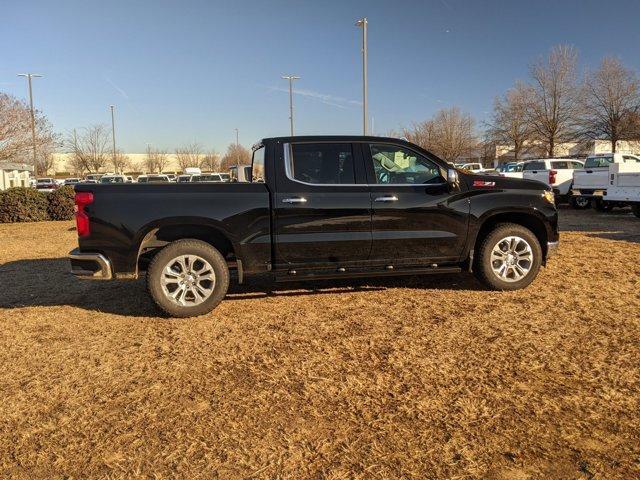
(595, 162)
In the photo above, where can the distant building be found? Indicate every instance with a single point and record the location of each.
(14, 175)
(504, 153)
(62, 164)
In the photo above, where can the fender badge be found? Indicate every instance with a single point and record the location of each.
(482, 183)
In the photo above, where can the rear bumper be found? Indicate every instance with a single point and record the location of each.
(552, 249)
(93, 266)
(588, 192)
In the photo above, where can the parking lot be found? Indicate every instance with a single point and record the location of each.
(405, 377)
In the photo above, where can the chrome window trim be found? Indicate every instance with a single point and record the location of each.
(288, 156)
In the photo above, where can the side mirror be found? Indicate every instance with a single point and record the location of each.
(452, 176)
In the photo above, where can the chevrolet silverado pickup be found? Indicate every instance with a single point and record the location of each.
(320, 207)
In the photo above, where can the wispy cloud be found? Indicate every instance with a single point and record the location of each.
(326, 98)
(117, 88)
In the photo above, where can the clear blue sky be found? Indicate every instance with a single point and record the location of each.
(184, 71)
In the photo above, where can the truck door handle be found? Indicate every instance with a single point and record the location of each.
(391, 198)
(294, 200)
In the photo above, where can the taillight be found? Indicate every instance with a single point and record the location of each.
(552, 176)
(82, 219)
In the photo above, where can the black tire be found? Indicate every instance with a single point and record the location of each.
(483, 267)
(602, 206)
(197, 248)
(580, 203)
(635, 208)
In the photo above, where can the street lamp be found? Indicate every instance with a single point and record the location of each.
(365, 89)
(237, 137)
(291, 78)
(29, 76)
(113, 133)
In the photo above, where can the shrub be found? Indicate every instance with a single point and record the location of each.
(20, 204)
(60, 203)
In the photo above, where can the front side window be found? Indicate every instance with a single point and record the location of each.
(393, 164)
(534, 166)
(322, 163)
(257, 166)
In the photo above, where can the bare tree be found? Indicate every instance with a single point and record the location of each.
(189, 155)
(16, 140)
(236, 155)
(155, 160)
(554, 106)
(120, 162)
(210, 161)
(611, 98)
(449, 134)
(509, 124)
(89, 150)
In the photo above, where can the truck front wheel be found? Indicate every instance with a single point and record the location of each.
(188, 278)
(509, 258)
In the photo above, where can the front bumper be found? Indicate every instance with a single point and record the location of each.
(93, 266)
(552, 249)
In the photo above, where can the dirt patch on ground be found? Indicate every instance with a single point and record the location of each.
(396, 378)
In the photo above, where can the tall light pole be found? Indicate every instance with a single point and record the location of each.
(237, 137)
(365, 87)
(113, 133)
(33, 119)
(291, 78)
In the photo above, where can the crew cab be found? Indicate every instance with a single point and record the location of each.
(591, 182)
(318, 207)
(555, 172)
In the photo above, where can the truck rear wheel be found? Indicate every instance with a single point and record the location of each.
(602, 206)
(579, 202)
(188, 278)
(509, 258)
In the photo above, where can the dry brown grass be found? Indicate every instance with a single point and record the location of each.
(405, 378)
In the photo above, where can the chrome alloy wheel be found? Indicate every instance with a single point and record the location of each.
(511, 259)
(188, 280)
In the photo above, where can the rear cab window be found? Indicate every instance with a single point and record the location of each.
(534, 166)
(598, 162)
(257, 166)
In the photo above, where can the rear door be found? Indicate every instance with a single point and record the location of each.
(322, 206)
(417, 217)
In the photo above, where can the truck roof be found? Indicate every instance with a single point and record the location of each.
(330, 138)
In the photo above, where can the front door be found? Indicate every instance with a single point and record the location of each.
(322, 205)
(417, 216)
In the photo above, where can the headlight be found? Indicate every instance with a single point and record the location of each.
(549, 197)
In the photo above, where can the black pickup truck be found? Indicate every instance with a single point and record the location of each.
(315, 208)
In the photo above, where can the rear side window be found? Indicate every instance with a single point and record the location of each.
(257, 166)
(596, 162)
(322, 163)
(534, 166)
(560, 165)
(630, 159)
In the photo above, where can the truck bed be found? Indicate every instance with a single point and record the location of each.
(123, 214)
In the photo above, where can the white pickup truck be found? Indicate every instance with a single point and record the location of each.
(555, 172)
(624, 185)
(591, 182)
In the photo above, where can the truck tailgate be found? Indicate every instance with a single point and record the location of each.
(591, 178)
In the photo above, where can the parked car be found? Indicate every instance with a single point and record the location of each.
(472, 167)
(183, 178)
(93, 176)
(555, 172)
(113, 179)
(240, 173)
(510, 170)
(207, 177)
(71, 181)
(160, 178)
(130, 179)
(46, 185)
(317, 207)
(171, 177)
(591, 182)
(142, 179)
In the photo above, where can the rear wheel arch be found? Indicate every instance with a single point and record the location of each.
(157, 237)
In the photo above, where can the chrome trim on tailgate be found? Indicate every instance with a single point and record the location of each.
(105, 271)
